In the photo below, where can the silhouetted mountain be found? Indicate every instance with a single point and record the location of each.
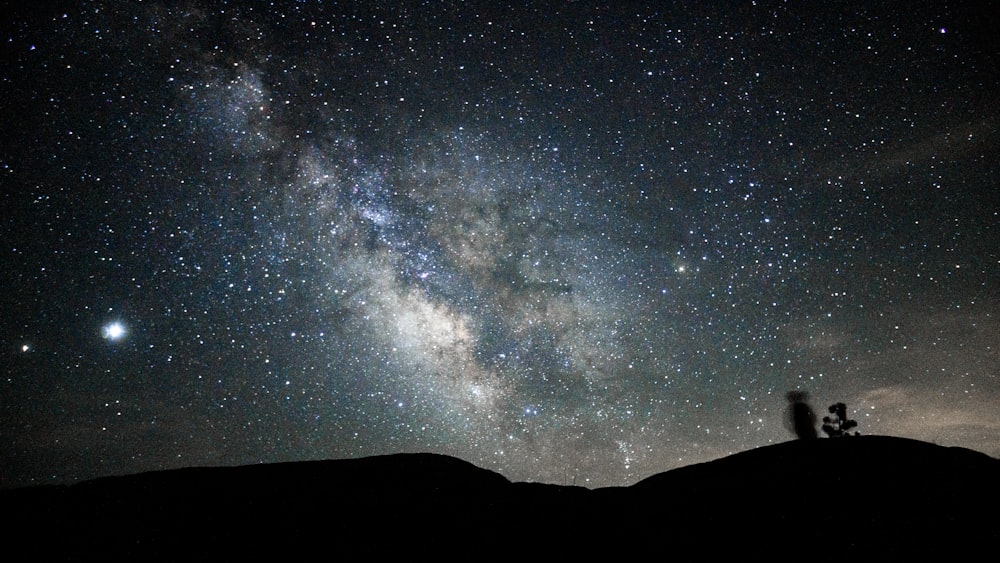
(858, 498)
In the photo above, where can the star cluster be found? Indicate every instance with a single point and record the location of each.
(572, 243)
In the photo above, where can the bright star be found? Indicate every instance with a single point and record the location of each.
(114, 331)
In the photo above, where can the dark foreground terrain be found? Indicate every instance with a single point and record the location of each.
(846, 499)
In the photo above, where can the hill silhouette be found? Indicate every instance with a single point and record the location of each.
(862, 497)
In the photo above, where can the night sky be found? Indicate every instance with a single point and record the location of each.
(571, 242)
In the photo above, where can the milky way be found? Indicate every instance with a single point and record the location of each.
(571, 243)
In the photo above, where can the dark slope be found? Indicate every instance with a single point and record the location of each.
(820, 500)
(868, 495)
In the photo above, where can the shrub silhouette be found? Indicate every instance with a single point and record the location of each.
(838, 425)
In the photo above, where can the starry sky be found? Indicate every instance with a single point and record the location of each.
(572, 242)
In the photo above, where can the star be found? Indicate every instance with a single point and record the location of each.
(114, 331)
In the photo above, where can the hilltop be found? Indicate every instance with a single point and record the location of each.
(815, 499)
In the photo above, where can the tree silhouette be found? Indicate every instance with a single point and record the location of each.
(838, 425)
